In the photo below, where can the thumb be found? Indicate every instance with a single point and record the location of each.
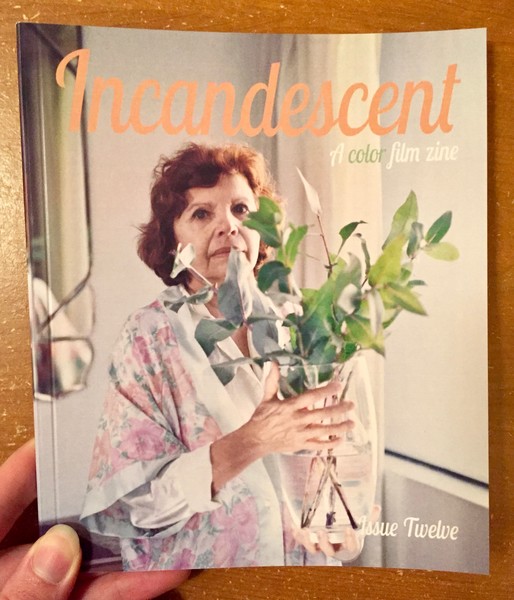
(49, 569)
(271, 383)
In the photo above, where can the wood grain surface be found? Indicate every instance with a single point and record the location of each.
(310, 16)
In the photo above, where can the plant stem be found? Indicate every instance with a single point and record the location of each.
(200, 277)
(311, 511)
(338, 488)
(328, 471)
(306, 507)
(327, 252)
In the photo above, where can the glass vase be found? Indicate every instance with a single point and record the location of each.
(330, 494)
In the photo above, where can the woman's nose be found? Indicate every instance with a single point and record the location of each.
(228, 224)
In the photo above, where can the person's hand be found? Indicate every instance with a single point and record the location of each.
(49, 569)
(346, 549)
(281, 426)
(293, 425)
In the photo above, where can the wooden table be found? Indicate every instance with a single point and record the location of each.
(315, 16)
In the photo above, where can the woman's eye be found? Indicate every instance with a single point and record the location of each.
(240, 209)
(200, 214)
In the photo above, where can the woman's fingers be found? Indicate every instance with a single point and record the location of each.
(136, 586)
(49, 569)
(303, 537)
(333, 389)
(336, 412)
(271, 383)
(338, 428)
(294, 424)
(324, 545)
(17, 485)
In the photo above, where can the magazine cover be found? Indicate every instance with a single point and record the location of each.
(258, 295)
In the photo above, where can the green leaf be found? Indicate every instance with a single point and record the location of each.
(266, 221)
(415, 238)
(279, 298)
(346, 273)
(406, 298)
(365, 252)
(349, 349)
(292, 244)
(376, 311)
(313, 331)
(270, 318)
(322, 353)
(226, 370)
(225, 373)
(388, 266)
(394, 301)
(322, 300)
(442, 251)
(307, 331)
(263, 328)
(210, 331)
(203, 296)
(387, 299)
(184, 256)
(403, 219)
(439, 228)
(269, 233)
(269, 211)
(389, 316)
(274, 270)
(349, 299)
(406, 272)
(235, 295)
(312, 195)
(360, 332)
(347, 231)
(415, 283)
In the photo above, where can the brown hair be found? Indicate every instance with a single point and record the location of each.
(195, 165)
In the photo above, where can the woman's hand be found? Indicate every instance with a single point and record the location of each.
(49, 569)
(293, 424)
(345, 550)
(281, 426)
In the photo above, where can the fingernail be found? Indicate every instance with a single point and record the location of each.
(55, 553)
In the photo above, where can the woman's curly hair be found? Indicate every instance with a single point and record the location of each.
(195, 165)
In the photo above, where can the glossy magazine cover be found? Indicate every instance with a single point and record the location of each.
(258, 295)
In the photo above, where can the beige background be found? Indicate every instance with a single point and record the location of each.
(316, 16)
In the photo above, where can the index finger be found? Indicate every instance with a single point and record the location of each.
(17, 485)
(311, 397)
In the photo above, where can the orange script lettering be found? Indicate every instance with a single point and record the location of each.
(300, 110)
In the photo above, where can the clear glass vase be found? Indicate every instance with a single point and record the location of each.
(331, 493)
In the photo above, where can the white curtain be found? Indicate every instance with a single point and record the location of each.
(348, 191)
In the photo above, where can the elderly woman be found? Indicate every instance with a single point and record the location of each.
(183, 469)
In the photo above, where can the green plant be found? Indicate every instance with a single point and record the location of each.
(349, 312)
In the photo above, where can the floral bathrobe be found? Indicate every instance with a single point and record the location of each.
(165, 400)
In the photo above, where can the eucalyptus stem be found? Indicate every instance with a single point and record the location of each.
(200, 277)
(311, 511)
(308, 513)
(325, 246)
(339, 490)
(306, 507)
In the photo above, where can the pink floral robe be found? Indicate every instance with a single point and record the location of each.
(165, 400)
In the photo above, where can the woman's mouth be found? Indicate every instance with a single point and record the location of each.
(225, 251)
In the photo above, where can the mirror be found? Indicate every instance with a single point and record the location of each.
(56, 191)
